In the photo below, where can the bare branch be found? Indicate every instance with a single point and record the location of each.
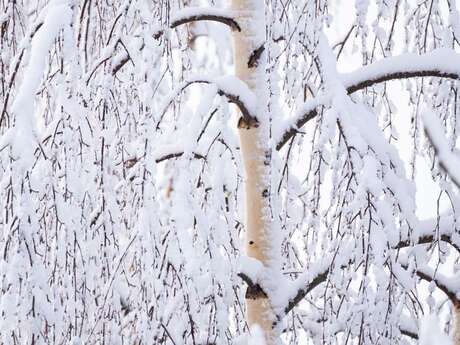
(194, 14)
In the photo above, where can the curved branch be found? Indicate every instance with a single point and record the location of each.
(447, 159)
(401, 75)
(193, 14)
(235, 90)
(438, 63)
(440, 282)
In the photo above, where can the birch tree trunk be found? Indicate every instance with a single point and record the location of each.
(258, 246)
(456, 311)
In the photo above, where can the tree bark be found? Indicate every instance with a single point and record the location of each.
(456, 309)
(258, 307)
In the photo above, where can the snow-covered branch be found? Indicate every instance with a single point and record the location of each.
(16, 63)
(447, 159)
(254, 290)
(235, 90)
(250, 271)
(426, 235)
(439, 63)
(193, 14)
(431, 230)
(170, 155)
(442, 283)
(427, 239)
(407, 328)
(318, 278)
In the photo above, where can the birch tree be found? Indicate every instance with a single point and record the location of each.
(229, 172)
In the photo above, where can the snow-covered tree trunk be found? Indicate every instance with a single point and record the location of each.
(255, 156)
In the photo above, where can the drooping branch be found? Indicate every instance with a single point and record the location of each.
(17, 62)
(424, 238)
(235, 90)
(294, 129)
(438, 63)
(440, 285)
(193, 14)
(440, 281)
(448, 161)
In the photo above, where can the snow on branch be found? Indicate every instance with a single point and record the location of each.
(446, 285)
(441, 228)
(438, 63)
(427, 239)
(408, 327)
(177, 154)
(447, 159)
(163, 155)
(251, 272)
(192, 14)
(235, 90)
(425, 235)
(316, 280)
(16, 62)
(303, 286)
(24, 139)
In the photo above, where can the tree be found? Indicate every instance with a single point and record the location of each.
(239, 189)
